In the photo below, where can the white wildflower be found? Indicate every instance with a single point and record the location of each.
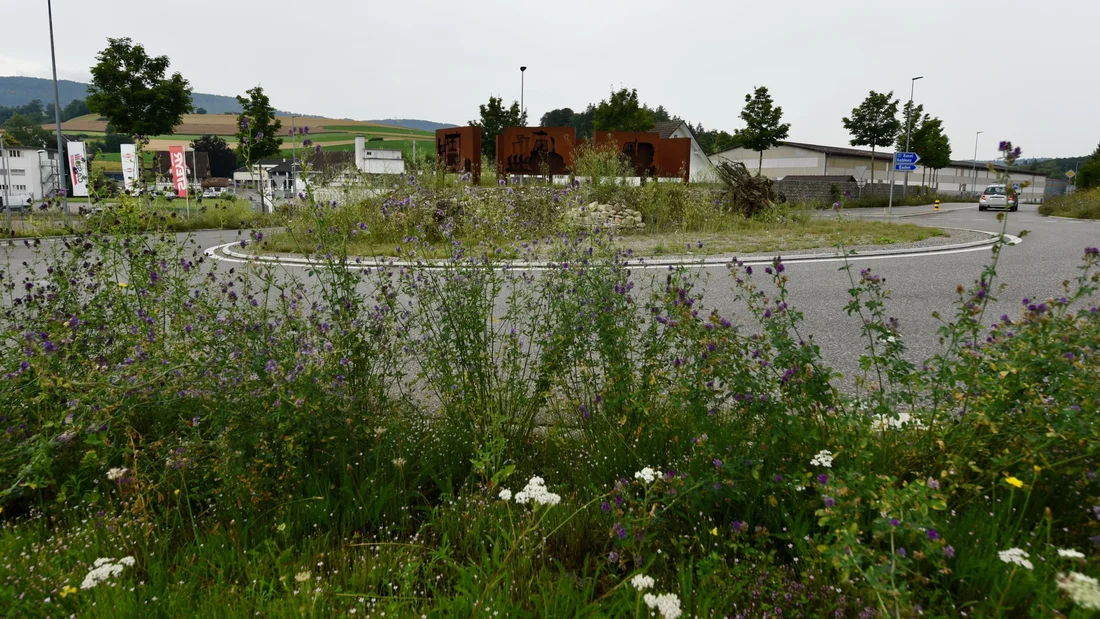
(535, 491)
(116, 473)
(895, 422)
(647, 475)
(1083, 590)
(1069, 553)
(1015, 556)
(303, 576)
(105, 569)
(399, 462)
(666, 603)
(642, 582)
(505, 495)
(823, 458)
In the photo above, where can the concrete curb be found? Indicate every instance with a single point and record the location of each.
(236, 256)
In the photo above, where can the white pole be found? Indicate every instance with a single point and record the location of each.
(890, 204)
(7, 178)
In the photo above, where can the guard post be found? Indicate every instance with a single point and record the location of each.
(937, 205)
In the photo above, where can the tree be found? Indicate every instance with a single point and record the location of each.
(931, 144)
(724, 141)
(27, 132)
(874, 123)
(75, 108)
(9, 139)
(762, 127)
(1088, 175)
(222, 158)
(257, 127)
(583, 122)
(130, 90)
(561, 117)
(914, 115)
(622, 112)
(660, 114)
(494, 118)
(200, 110)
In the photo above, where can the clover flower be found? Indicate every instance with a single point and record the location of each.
(641, 582)
(1083, 590)
(535, 491)
(105, 569)
(1016, 556)
(823, 458)
(647, 475)
(668, 604)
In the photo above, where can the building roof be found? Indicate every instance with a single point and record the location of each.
(888, 155)
(666, 128)
(840, 178)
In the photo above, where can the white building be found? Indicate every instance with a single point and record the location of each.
(701, 169)
(27, 174)
(377, 161)
(799, 159)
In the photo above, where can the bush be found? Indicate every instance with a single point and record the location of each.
(1079, 204)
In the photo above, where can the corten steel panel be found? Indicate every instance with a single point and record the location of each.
(458, 150)
(649, 154)
(536, 150)
(674, 158)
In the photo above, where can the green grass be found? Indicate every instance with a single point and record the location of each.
(1083, 204)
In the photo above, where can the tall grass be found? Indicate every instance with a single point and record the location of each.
(1079, 205)
(313, 443)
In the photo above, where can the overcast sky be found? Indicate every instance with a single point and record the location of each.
(1024, 71)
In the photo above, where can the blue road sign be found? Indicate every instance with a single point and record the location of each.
(905, 167)
(906, 158)
(1015, 187)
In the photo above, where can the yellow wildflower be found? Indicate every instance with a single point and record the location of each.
(68, 590)
(1012, 481)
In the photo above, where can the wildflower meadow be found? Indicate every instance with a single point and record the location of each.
(461, 434)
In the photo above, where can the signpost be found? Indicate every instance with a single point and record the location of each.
(903, 162)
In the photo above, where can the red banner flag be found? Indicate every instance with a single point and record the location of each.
(179, 170)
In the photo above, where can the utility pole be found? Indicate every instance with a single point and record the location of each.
(61, 154)
(909, 127)
(7, 178)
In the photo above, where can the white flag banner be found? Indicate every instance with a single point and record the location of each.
(129, 165)
(78, 168)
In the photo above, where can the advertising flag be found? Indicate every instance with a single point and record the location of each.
(78, 167)
(129, 165)
(179, 170)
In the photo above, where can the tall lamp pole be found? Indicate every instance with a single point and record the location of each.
(975, 166)
(522, 107)
(909, 126)
(57, 118)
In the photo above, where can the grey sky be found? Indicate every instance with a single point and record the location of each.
(1017, 70)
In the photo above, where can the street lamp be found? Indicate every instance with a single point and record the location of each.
(57, 118)
(909, 125)
(975, 166)
(522, 107)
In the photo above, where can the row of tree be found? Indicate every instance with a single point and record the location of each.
(873, 123)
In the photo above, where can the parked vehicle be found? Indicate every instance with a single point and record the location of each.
(996, 196)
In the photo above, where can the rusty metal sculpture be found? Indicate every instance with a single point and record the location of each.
(536, 150)
(649, 154)
(458, 150)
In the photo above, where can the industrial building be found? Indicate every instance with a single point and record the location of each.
(810, 160)
(27, 174)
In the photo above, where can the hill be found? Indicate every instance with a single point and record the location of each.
(410, 123)
(20, 90)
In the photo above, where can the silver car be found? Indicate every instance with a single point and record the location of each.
(996, 196)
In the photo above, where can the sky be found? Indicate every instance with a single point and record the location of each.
(1015, 70)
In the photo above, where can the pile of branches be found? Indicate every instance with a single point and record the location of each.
(745, 193)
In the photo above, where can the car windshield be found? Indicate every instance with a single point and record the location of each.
(996, 191)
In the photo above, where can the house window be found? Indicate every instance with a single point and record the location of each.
(18, 172)
(14, 153)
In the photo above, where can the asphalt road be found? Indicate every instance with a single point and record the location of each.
(921, 284)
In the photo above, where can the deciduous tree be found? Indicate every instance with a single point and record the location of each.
(561, 117)
(27, 132)
(763, 128)
(257, 127)
(222, 158)
(874, 123)
(129, 89)
(494, 118)
(622, 112)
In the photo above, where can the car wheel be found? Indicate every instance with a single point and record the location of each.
(1014, 209)
(981, 208)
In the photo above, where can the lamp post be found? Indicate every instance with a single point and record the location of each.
(909, 126)
(57, 118)
(975, 166)
(522, 107)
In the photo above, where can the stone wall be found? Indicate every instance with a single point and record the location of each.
(806, 190)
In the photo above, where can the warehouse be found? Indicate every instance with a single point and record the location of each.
(800, 159)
